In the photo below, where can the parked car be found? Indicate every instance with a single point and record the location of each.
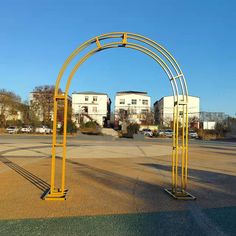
(43, 130)
(161, 132)
(26, 129)
(192, 134)
(147, 132)
(168, 133)
(12, 129)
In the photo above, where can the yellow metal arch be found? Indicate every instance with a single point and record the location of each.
(180, 93)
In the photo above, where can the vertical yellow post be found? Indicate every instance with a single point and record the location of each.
(54, 138)
(64, 146)
(53, 193)
(177, 147)
(186, 150)
(183, 149)
(178, 190)
(173, 151)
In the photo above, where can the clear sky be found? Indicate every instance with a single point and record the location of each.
(36, 36)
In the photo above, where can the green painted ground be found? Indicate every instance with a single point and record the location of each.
(220, 221)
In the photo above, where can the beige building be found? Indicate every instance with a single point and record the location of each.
(91, 106)
(133, 104)
(163, 109)
(11, 113)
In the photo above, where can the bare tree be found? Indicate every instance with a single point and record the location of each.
(10, 104)
(147, 118)
(41, 105)
(42, 102)
(167, 122)
(194, 122)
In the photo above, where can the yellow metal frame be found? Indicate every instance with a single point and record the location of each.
(180, 93)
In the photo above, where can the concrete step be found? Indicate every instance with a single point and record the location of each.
(110, 131)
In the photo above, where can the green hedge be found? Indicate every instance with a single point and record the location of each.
(132, 129)
(71, 127)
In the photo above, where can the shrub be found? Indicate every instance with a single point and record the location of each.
(71, 127)
(155, 133)
(89, 124)
(90, 127)
(207, 134)
(221, 129)
(132, 129)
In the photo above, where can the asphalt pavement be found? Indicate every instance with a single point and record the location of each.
(116, 187)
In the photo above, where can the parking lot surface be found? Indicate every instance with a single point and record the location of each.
(115, 188)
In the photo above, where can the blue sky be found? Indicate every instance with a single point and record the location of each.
(37, 36)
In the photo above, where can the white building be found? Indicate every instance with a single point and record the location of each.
(163, 109)
(91, 106)
(210, 119)
(135, 104)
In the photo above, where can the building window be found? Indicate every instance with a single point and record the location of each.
(95, 109)
(122, 101)
(145, 102)
(144, 111)
(95, 98)
(86, 98)
(134, 101)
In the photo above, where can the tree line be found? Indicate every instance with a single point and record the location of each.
(36, 111)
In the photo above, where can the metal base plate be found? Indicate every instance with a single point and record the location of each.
(56, 195)
(181, 195)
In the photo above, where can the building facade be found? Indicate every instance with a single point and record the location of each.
(133, 105)
(91, 106)
(208, 120)
(9, 114)
(163, 110)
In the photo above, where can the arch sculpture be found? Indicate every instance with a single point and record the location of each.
(180, 111)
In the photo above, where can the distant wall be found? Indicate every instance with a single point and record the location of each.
(210, 125)
(151, 127)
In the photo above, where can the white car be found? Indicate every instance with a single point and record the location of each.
(168, 133)
(43, 130)
(12, 130)
(192, 134)
(147, 132)
(26, 129)
(161, 132)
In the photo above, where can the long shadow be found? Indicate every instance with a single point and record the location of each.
(35, 180)
(24, 148)
(114, 181)
(223, 181)
(223, 148)
(24, 157)
(212, 185)
(230, 148)
(225, 153)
